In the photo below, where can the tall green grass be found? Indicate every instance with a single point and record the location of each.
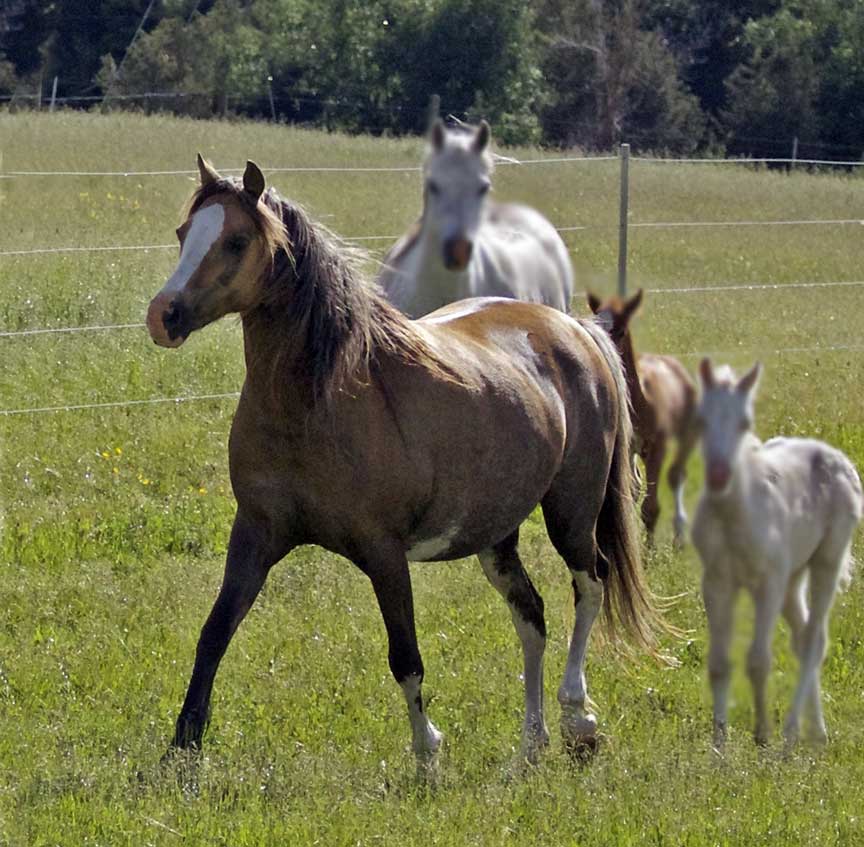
(115, 523)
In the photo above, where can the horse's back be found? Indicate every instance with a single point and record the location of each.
(526, 257)
(809, 465)
(670, 388)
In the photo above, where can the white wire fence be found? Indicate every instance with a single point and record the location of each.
(651, 225)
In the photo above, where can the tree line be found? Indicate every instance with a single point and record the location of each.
(736, 76)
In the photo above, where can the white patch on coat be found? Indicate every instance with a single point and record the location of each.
(204, 231)
(429, 549)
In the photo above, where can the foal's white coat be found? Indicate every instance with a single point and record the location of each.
(467, 246)
(772, 518)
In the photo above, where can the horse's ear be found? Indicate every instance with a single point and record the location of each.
(633, 304)
(253, 180)
(594, 302)
(207, 171)
(437, 135)
(706, 373)
(748, 382)
(481, 138)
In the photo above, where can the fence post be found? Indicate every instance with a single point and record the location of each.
(624, 154)
(795, 149)
(434, 110)
(53, 95)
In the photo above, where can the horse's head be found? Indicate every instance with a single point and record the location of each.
(227, 244)
(456, 181)
(614, 314)
(725, 414)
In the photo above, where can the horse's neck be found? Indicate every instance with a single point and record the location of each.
(631, 370)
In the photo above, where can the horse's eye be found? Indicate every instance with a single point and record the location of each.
(745, 424)
(433, 188)
(484, 189)
(237, 244)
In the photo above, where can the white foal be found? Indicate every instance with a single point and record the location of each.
(464, 245)
(772, 517)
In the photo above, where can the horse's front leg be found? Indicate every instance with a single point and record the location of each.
(249, 559)
(768, 600)
(718, 594)
(391, 582)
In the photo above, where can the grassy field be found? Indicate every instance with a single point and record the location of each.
(114, 524)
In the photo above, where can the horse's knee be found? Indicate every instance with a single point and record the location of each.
(719, 667)
(758, 664)
(405, 662)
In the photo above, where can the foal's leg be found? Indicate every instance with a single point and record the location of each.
(391, 582)
(248, 562)
(824, 575)
(655, 451)
(504, 570)
(677, 477)
(768, 598)
(795, 613)
(718, 594)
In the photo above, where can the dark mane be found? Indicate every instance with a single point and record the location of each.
(331, 323)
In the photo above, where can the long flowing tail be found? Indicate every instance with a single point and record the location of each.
(628, 599)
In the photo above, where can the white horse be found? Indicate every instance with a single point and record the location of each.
(465, 245)
(772, 518)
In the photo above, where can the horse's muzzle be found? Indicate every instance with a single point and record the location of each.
(718, 475)
(457, 253)
(168, 321)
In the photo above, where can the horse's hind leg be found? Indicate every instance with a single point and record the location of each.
(825, 568)
(503, 568)
(570, 520)
(247, 564)
(653, 456)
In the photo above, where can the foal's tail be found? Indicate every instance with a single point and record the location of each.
(628, 599)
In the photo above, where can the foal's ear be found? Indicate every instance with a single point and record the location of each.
(632, 305)
(253, 180)
(437, 134)
(748, 382)
(706, 373)
(481, 138)
(207, 171)
(594, 302)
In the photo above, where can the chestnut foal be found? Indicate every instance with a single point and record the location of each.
(664, 397)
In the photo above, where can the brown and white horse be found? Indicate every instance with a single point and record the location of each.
(664, 398)
(386, 440)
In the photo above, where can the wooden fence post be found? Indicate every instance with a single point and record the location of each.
(624, 154)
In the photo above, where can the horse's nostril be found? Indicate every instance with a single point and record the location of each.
(175, 318)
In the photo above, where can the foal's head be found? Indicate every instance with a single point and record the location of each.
(456, 181)
(227, 245)
(614, 314)
(725, 414)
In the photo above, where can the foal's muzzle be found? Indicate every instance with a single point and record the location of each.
(718, 475)
(168, 321)
(457, 253)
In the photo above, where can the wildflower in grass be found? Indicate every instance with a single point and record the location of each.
(202, 490)
(118, 451)
(105, 454)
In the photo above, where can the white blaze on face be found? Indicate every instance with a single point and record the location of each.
(204, 231)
